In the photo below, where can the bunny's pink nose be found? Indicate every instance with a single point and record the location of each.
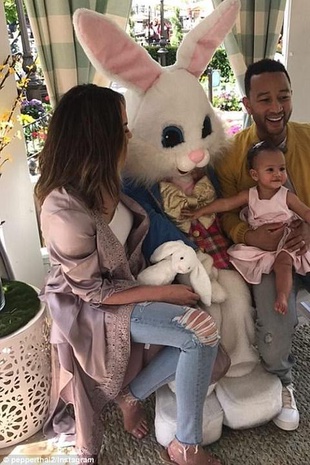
(196, 156)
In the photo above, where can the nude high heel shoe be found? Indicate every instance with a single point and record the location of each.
(181, 454)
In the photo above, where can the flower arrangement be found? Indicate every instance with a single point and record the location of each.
(35, 135)
(35, 108)
(233, 127)
(35, 129)
(34, 115)
(227, 100)
(32, 108)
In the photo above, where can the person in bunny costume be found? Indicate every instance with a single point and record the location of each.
(175, 134)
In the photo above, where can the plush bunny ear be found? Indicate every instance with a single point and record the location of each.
(201, 283)
(199, 45)
(113, 52)
(166, 249)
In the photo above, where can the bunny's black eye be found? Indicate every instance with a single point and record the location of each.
(207, 127)
(181, 258)
(171, 136)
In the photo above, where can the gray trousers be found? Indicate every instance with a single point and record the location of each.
(274, 331)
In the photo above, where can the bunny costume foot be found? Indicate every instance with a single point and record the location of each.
(181, 454)
(134, 416)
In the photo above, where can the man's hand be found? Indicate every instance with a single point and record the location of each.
(299, 239)
(265, 237)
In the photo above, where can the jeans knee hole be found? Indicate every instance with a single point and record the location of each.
(201, 326)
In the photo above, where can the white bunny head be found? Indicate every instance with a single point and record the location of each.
(174, 126)
(183, 259)
(175, 257)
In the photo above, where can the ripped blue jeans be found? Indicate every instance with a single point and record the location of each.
(274, 331)
(190, 338)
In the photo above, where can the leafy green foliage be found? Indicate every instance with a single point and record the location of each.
(131, 26)
(170, 56)
(21, 305)
(219, 61)
(10, 11)
(177, 34)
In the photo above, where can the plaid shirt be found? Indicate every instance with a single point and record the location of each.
(211, 241)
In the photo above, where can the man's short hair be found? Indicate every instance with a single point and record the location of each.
(266, 65)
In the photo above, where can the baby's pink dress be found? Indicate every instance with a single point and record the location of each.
(250, 261)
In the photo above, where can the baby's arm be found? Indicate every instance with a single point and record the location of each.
(298, 207)
(218, 205)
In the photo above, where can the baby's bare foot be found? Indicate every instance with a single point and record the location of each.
(280, 305)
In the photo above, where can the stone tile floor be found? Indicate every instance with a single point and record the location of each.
(38, 450)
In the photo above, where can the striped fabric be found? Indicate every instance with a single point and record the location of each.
(62, 59)
(255, 34)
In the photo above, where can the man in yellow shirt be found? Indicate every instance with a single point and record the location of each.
(268, 101)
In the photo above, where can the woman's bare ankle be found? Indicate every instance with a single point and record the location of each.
(133, 414)
(126, 397)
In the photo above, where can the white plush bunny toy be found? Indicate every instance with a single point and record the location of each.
(175, 133)
(172, 258)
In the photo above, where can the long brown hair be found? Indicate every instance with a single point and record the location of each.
(84, 143)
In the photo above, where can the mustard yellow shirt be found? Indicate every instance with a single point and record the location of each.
(233, 174)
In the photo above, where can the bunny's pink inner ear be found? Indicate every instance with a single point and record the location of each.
(112, 51)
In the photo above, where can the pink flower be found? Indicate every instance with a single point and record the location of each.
(234, 128)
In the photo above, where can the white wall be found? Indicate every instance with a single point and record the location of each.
(20, 231)
(297, 55)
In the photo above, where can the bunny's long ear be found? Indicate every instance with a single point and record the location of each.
(112, 51)
(166, 249)
(201, 283)
(199, 45)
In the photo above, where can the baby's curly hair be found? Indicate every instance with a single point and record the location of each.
(258, 148)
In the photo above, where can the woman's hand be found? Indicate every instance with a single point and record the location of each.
(299, 239)
(178, 294)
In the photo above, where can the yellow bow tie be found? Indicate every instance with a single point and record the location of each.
(174, 200)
